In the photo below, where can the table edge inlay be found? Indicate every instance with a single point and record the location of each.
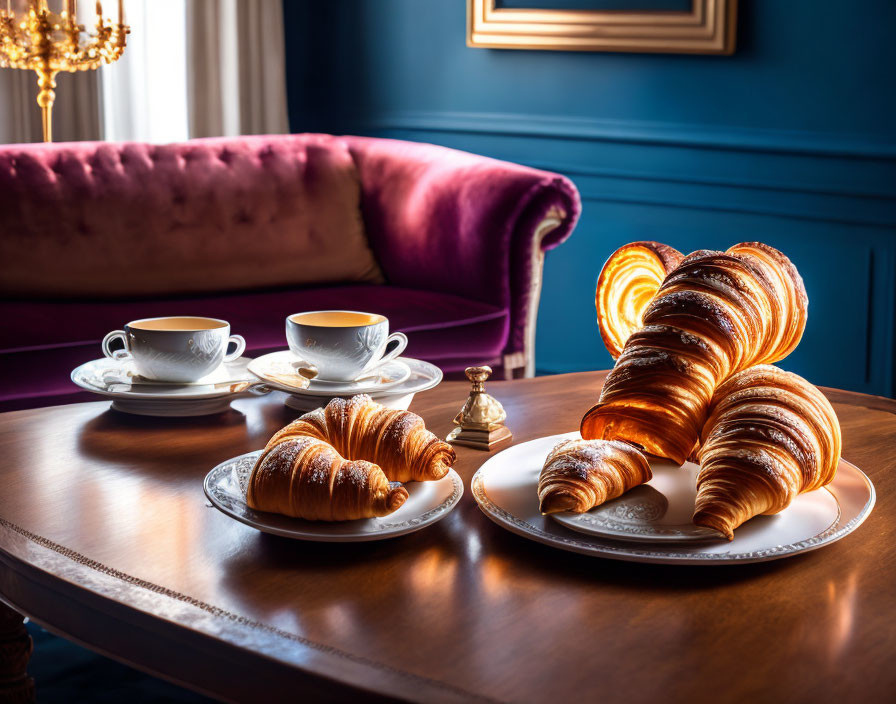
(218, 612)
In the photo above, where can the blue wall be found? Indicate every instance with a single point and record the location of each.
(791, 141)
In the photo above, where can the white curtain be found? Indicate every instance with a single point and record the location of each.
(236, 77)
(145, 91)
(192, 68)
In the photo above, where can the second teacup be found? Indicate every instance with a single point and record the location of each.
(176, 349)
(343, 344)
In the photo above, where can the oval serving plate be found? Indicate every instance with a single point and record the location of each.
(427, 503)
(505, 488)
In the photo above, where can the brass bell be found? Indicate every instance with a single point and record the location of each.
(481, 420)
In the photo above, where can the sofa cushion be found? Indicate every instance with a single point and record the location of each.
(49, 339)
(113, 220)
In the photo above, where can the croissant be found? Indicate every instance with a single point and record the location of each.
(715, 314)
(304, 477)
(770, 436)
(626, 285)
(581, 474)
(360, 428)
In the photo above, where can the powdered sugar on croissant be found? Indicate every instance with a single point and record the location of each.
(715, 314)
(360, 428)
(304, 477)
(771, 435)
(581, 474)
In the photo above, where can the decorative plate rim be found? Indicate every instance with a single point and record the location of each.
(434, 373)
(618, 530)
(335, 385)
(625, 550)
(161, 398)
(388, 530)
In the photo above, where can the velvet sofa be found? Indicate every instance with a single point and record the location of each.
(448, 245)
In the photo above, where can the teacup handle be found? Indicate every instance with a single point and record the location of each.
(395, 344)
(240, 343)
(117, 354)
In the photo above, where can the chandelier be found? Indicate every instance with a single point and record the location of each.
(49, 42)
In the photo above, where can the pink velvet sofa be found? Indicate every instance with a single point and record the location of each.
(448, 245)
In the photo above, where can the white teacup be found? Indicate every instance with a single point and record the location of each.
(178, 349)
(343, 344)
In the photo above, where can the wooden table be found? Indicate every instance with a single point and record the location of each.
(107, 539)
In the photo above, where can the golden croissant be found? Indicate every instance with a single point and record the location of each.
(626, 285)
(362, 429)
(581, 474)
(770, 436)
(715, 314)
(304, 477)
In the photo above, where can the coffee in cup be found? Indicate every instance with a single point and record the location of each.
(343, 344)
(176, 349)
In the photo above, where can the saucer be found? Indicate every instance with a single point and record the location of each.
(428, 502)
(389, 374)
(131, 393)
(423, 377)
(280, 371)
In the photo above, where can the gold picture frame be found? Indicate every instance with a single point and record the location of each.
(708, 28)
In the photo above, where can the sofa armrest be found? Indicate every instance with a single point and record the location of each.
(445, 220)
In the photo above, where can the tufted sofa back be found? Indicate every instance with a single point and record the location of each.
(109, 220)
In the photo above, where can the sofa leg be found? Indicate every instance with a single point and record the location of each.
(16, 687)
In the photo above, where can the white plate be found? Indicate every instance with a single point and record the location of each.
(505, 487)
(130, 393)
(427, 502)
(279, 370)
(117, 379)
(391, 373)
(657, 512)
(424, 376)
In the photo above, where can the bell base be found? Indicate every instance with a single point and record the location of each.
(480, 439)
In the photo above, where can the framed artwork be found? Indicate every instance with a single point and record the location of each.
(663, 26)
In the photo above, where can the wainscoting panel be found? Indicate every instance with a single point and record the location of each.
(830, 205)
(789, 141)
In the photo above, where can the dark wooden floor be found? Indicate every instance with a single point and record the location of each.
(65, 673)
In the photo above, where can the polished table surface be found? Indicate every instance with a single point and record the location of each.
(107, 538)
